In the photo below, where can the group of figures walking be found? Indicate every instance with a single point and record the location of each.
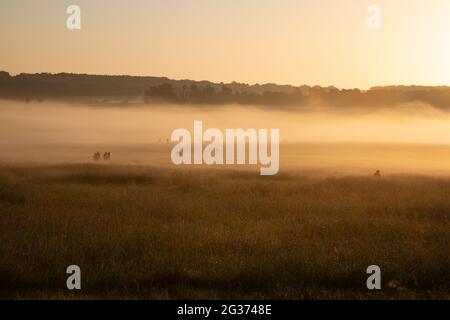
(106, 156)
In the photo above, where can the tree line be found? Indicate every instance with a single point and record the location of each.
(63, 86)
(302, 96)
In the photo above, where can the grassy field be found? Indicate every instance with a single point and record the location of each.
(143, 232)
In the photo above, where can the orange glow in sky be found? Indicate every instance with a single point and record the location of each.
(323, 42)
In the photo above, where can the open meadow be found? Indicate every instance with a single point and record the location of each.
(159, 232)
(141, 227)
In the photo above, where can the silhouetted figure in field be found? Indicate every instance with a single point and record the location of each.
(107, 156)
(97, 156)
(377, 174)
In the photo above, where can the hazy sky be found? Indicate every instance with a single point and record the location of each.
(325, 42)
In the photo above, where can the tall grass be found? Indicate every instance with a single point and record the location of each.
(139, 232)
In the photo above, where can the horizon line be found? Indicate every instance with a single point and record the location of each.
(223, 83)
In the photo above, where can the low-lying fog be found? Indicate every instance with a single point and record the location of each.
(406, 138)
